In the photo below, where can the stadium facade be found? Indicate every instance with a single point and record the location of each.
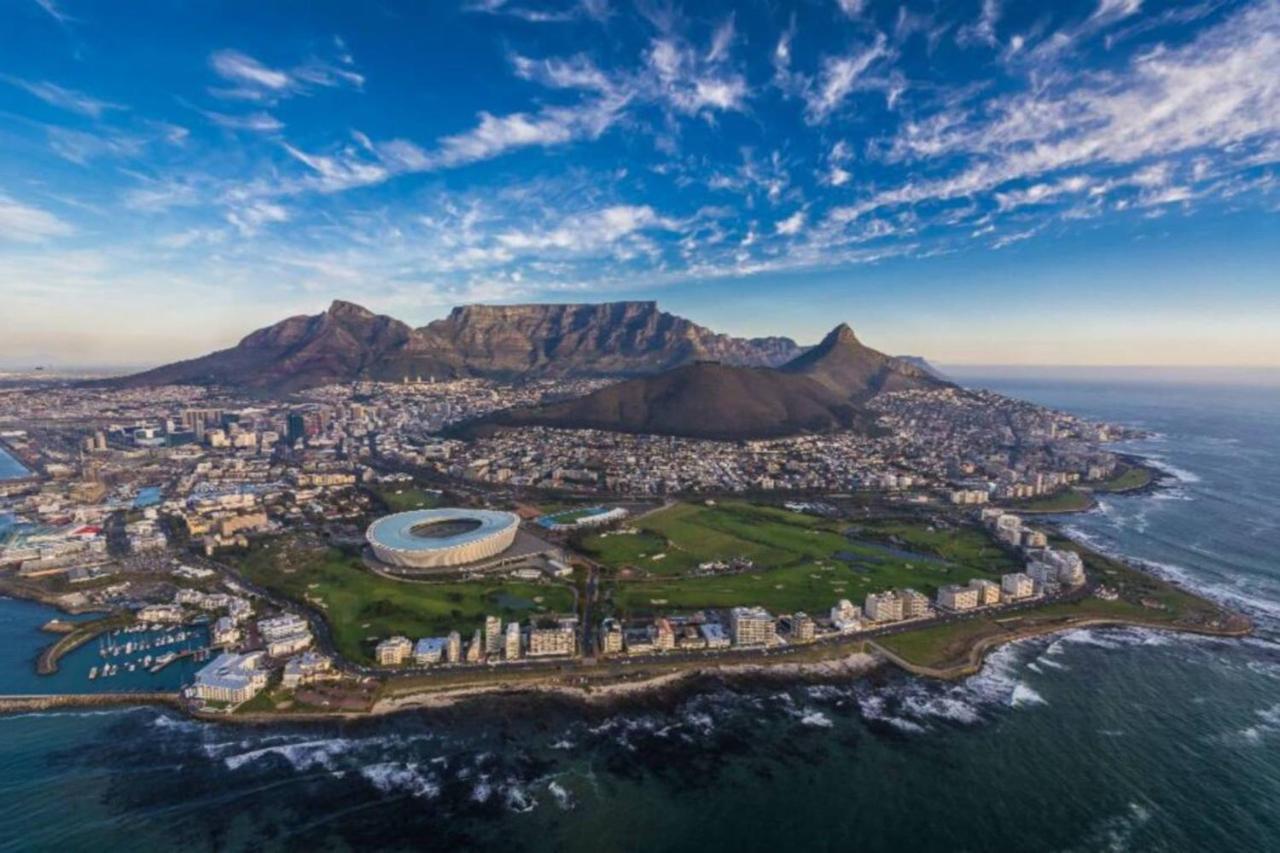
(439, 538)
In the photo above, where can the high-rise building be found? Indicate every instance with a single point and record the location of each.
(914, 604)
(664, 636)
(393, 652)
(511, 649)
(610, 637)
(751, 626)
(956, 597)
(803, 629)
(1017, 585)
(475, 649)
(492, 635)
(883, 607)
(454, 649)
(296, 428)
(988, 591)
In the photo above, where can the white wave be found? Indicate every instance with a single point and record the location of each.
(1269, 723)
(563, 743)
(1024, 695)
(816, 719)
(563, 798)
(1116, 833)
(392, 777)
(1167, 467)
(517, 799)
(305, 755)
(111, 712)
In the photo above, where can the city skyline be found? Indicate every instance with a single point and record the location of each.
(992, 184)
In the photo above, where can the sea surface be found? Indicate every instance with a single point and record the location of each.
(1092, 740)
(10, 467)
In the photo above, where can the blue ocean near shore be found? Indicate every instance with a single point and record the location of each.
(10, 467)
(1120, 739)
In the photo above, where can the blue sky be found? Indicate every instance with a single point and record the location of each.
(980, 182)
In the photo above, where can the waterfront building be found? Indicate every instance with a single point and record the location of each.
(306, 668)
(284, 635)
(664, 636)
(1017, 586)
(429, 651)
(713, 633)
(475, 649)
(493, 635)
(547, 642)
(610, 636)
(231, 678)
(511, 647)
(393, 651)
(802, 628)
(883, 607)
(846, 616)
(915, 605)
(225, 632)
(751, 626)
(988, 591)
(958, 598)
(453, 648)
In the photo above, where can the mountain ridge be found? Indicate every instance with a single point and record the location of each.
(347, 342)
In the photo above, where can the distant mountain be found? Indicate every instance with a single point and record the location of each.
(609, 338)
(701, 400)
(854, 371)
(347, 343)
(920, 362)
(344, 343)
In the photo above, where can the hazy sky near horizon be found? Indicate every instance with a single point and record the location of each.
(985, 182)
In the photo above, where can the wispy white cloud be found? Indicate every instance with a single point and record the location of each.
(258, 122)
(66, 99)
(253, 80)
(23, 223)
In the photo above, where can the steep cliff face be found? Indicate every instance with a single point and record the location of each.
(611, 338)
(347, 343)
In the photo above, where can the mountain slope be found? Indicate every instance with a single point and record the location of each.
(347, 343)
(701, 400)
(344, 343)
(854, 371)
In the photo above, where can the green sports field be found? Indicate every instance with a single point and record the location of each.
(362, 607)
(802, 562)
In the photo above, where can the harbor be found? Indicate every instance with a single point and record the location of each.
(137, 659)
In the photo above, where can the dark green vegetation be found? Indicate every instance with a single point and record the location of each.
(1143, 599)
(363, 608)
(1128, 478)
(801, 562)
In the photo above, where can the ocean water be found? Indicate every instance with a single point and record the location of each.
(1092, 740)
(10, 467)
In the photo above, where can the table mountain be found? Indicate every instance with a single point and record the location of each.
(347, 343)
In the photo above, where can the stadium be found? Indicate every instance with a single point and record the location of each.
(440, 538)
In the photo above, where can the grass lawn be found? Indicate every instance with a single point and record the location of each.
(404, 498)
(1067, 500)
(1128, 479)
(802, 562)
(363, 608)
(689, 534)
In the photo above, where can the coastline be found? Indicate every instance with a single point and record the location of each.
(850, 664)
(598, 685)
